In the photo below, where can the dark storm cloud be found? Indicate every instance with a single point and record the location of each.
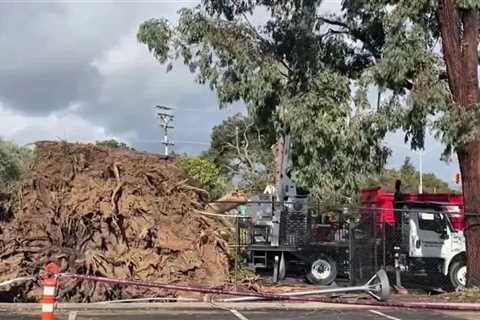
(42, 66)
(62, 54)
(47, 50)
(129, 102)
(48, 89)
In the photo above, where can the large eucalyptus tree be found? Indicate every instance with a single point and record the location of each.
(293, 74)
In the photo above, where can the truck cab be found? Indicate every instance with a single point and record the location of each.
(431, 237)
(423, 233)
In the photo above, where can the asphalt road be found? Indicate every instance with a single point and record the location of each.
(389, 314)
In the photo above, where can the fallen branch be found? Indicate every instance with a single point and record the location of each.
(180, 185)
(199, 190)
(117, 192)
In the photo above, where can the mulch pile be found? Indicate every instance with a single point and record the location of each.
(110, 212)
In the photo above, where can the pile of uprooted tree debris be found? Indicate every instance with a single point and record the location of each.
(110, 212)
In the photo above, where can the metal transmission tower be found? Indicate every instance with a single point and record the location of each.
(166, 118)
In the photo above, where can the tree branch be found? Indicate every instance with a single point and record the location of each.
(333, 31)
(334, 22)
(234, 147)
(245, 149)
(234, 167)
(265, 42)
(259, 135)
(353, 33)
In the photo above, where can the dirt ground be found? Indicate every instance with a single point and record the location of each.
(110, 212)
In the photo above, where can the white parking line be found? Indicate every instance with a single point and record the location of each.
(72, 315)
(378, 313)
(238, 314)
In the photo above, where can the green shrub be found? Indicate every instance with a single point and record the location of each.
(14, 163)
(205, 173)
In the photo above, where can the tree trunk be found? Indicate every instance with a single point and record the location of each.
(459, 34)
(470, 168)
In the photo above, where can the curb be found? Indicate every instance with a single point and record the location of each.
(201, 306)
(179, 306)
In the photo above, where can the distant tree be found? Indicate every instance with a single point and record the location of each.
(14, 163)
(410, 180)
(407, 168)
(112, 143)
(242, 152)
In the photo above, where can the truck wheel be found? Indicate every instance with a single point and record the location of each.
(322, 271)
(458, 274)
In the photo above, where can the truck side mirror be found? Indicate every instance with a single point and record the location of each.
(444, 235)
(442, 227)
(443, 230)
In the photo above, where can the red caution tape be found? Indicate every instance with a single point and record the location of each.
(271, 296)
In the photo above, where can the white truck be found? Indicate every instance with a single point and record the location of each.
(422, 232)
(414, 232)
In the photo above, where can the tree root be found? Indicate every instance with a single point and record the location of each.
(117, 192)
(179, 185)
(196, 189)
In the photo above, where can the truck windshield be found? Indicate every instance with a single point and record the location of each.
(431, 221)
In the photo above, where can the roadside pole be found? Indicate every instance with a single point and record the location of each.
(50, 283)
(237, 243)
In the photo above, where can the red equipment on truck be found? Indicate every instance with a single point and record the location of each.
(380, 199)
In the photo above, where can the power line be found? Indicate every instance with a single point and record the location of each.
(193, 142)
(152, 141)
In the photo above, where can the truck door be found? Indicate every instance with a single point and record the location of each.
(429, 236)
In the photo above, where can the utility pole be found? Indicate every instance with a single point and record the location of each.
(420, 187)
(166, 118)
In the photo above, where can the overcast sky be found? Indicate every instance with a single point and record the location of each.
(73, 70)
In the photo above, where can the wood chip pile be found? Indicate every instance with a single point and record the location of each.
(110, 212)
